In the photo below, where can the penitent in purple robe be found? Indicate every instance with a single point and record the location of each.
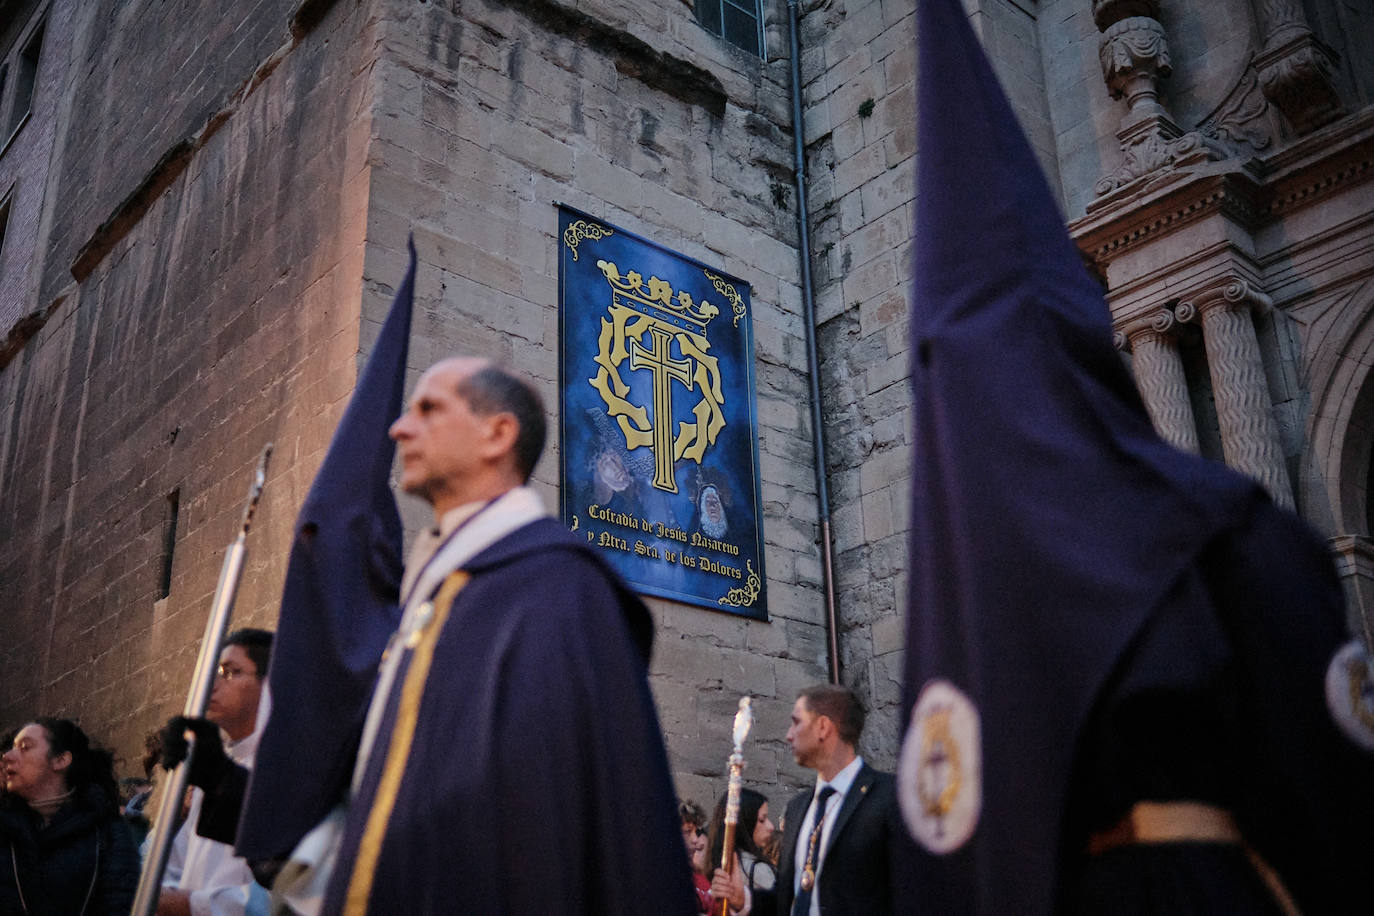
(535, 780)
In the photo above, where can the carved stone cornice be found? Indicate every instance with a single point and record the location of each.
(1108, 12)
(1307, 190)
(1139, 214)
(1254, 193)
(1329, 161)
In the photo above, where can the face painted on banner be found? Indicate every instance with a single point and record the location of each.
(712, 513)
(611, 471)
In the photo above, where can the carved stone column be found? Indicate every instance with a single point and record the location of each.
(1159, 376)
(1295, 68)
(1249, 435)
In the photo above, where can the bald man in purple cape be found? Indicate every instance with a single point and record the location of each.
(511, 760)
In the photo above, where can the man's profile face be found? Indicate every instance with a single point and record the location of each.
(435, 436)
(236, 694)
(802, 736)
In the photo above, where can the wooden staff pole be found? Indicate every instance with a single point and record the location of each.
(744, 720)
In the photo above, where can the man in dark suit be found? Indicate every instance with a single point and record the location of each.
(837, 860)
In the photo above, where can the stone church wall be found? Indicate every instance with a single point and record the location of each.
(224, 216)
(26, 145)
(217, 311)
(219, 260)
(487, 114)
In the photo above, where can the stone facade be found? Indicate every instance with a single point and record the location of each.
(216, 265)
(1212, 160)
(1246, 239)
(207, 222)
(202, 279)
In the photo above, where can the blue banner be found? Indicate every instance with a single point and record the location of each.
(659, 433)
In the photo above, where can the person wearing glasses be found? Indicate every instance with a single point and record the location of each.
(203, 876)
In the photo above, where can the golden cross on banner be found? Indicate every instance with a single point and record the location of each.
(665, 369)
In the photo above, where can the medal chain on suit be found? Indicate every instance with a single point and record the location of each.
(802, 905)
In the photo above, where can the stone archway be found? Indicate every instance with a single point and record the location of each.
(1337, 489)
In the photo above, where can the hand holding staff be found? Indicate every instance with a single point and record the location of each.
(744, 720)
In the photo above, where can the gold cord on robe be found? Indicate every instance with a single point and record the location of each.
(422, 643)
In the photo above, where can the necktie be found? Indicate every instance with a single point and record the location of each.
(802, 905)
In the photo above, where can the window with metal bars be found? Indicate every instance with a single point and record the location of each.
(739, 22)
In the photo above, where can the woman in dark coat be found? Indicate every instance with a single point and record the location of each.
(64, 851)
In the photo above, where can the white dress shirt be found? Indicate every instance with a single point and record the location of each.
(842, 782)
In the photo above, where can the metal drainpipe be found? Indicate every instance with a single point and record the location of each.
(812, 360)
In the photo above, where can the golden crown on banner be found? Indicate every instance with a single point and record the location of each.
(658, 301)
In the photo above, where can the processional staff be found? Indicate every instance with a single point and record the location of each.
(744, 720)
(202, 682)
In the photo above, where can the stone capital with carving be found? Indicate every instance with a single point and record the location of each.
(1159, 375)
(1230, 293)
(1249, 433)
(1155, 146)
(1155, 324)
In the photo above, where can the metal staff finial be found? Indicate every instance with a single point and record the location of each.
(255, 492)
(744, 721)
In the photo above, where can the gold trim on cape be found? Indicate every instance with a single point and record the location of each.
(398, 749)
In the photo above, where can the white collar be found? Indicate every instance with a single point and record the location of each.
(512, 510)
(450, 520)
(471, 533)
(844, 778)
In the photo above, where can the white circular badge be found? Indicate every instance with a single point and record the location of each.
(940, 773)
(1350, 693)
